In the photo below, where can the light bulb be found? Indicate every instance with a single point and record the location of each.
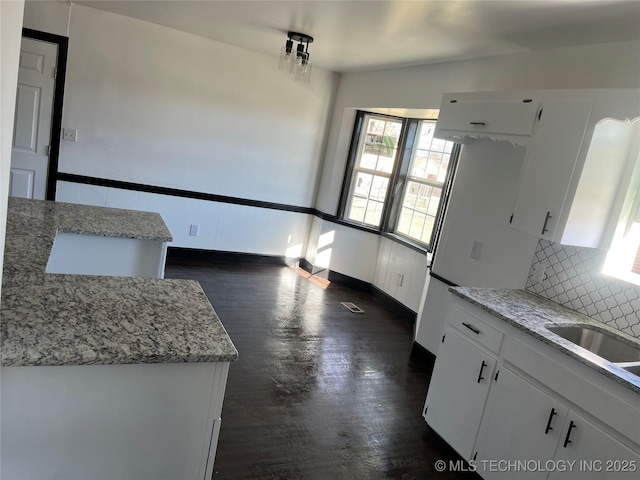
(303, 72)
(285, 59)
(285, 56)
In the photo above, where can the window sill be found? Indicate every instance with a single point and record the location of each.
(391, 236)
(347, 223)
(407, 243)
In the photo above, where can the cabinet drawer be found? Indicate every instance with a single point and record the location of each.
(476, 329)
(509, 118)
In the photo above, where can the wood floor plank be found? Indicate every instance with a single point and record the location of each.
(318, 392)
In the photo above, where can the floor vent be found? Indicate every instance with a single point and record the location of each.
(352, 307)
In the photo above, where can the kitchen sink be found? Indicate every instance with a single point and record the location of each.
(607, 345)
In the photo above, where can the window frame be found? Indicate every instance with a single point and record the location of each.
(398, 181)
(351, 168)
(629, 216)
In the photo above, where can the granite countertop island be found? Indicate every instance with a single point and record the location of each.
(532, 313)
(58, 320)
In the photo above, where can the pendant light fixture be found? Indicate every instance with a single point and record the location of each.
(297, 62)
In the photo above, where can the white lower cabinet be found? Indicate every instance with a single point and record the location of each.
(530, 434)
(522, 423)
(517, 408)
(458, 392)
(592, 453)
(156, 421)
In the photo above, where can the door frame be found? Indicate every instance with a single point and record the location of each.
(58, 97)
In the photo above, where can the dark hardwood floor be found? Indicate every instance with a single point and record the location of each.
(318, 392)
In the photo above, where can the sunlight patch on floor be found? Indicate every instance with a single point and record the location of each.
(321, 282)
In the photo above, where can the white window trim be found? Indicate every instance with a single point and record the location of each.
(624, 246)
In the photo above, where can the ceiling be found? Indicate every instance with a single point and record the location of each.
(370, 34)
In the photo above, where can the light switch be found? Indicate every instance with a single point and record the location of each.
(476, 250)
(193, 230)
(70, 134)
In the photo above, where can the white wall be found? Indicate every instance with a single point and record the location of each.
(11, 14)
(342, 249)
(157, 106)
(222, 226)
(368, 257)
(611, 65)
(47, 16)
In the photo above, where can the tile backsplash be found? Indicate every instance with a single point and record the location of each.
(573, 279)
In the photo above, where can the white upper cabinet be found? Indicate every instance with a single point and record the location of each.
(549, 168)
(581, 147)
(578, 166)
(463, 119)
(605, 178)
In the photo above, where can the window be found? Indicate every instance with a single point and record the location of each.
(623, 258)
(424, 184)
(377, 147)
(397, 177)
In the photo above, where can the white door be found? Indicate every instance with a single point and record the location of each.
(521, 423)
(549, 169)
(32, 131)
(596, 454)
(458, 392)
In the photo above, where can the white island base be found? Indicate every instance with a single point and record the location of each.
(106, 422)
(77, 254)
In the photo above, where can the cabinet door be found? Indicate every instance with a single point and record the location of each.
(458, 392)
(521, 423)
(549, 169)
(593, 454)
(508, 118)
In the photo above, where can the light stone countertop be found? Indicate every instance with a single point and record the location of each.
(531, 314)
(56, 320)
